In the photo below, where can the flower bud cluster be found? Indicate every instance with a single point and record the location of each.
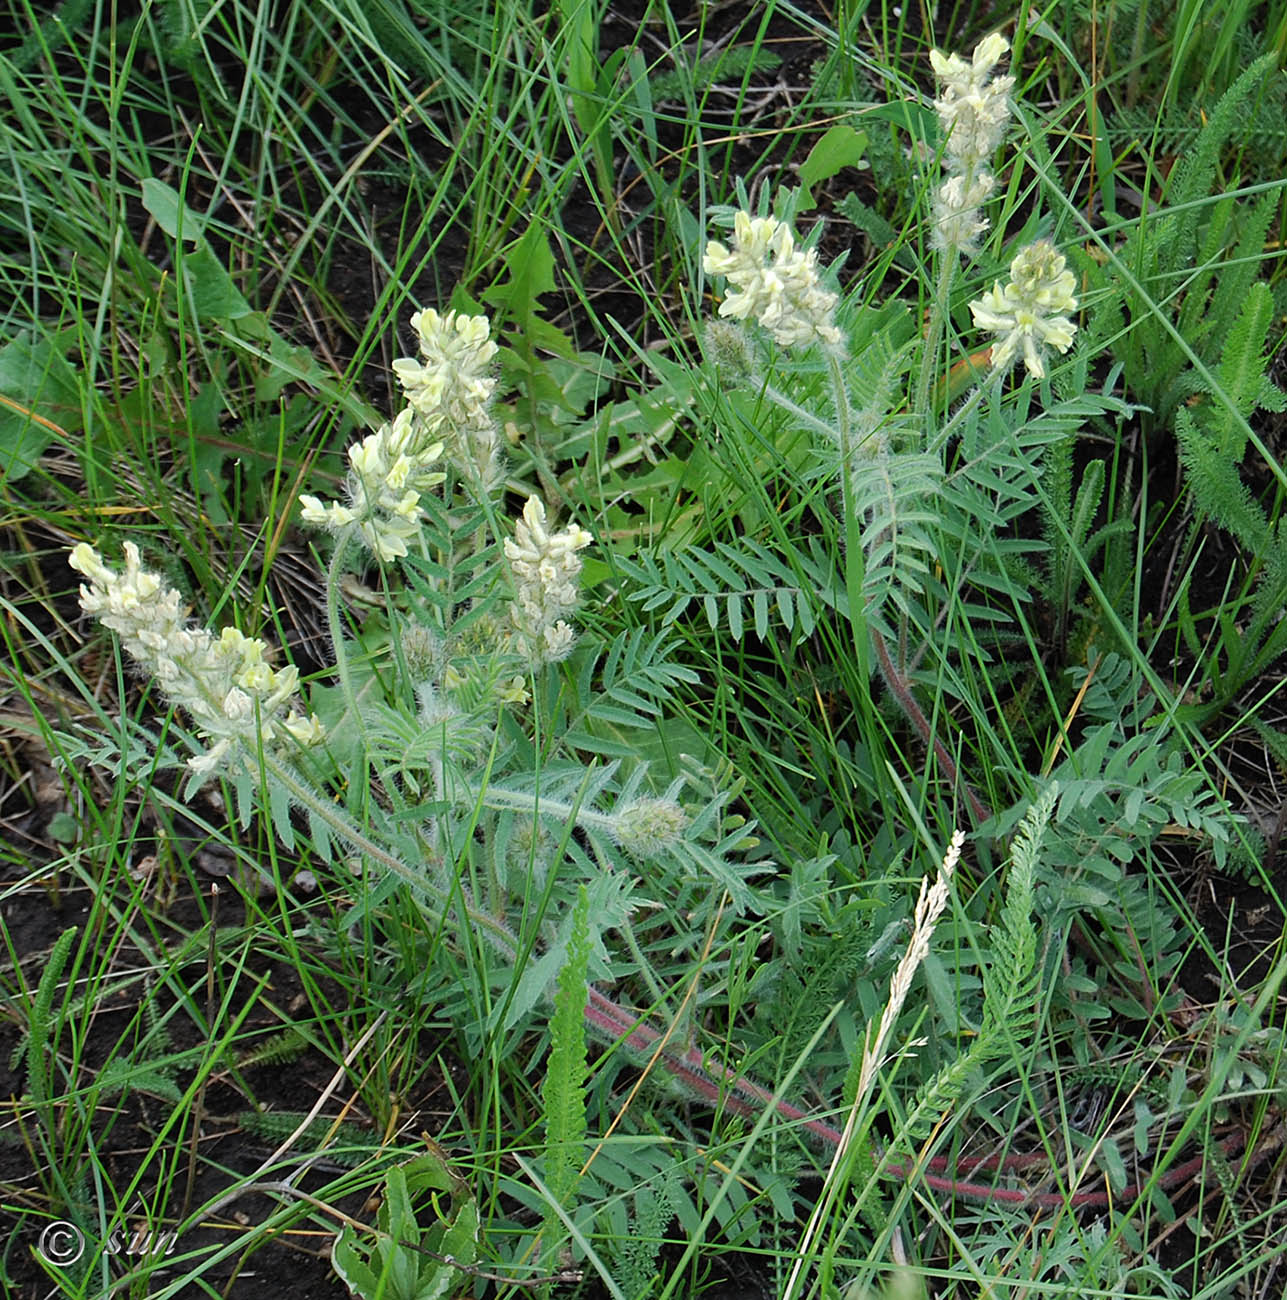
(450, 389)
(1027, 313)
(973, 110)
(423, 651)
(388, 470)
(648, 828)
(224, 684)
(546, 569)
(775, 283)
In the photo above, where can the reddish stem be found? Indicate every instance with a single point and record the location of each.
(902, 692)
(744, 1097)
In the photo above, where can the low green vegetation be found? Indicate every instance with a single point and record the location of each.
(643, 651)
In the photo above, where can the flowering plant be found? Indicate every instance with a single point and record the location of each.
(485, 751)
(481, 742)
(889, 437)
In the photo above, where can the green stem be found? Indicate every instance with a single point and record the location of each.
(855, 561)
(333, 575)
(627, 932)
(331, 816)
(498, 798)
(805, 417)
(901, 690)
(933, 333)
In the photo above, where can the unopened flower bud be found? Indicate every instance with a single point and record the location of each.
(422, 651)
(647, 828)
(730, 347)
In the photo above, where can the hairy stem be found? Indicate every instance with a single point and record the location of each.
(333, 575)
(335, 820)
(708, 1081)
(933, 333)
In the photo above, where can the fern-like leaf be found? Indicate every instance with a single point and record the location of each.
(1193, 174)
(732, 586)
(1218, 489)
(563, 1096)
(1242, 370)
(346, 1143)
(278, 1049)
(894, 496)
(39, 1028)
(1009, 982)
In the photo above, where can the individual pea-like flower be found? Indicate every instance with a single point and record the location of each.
(974, 106)
(647, 828)
(1027, 313)
(224, 684)
(546, 569)
(450, 389)
(513, 691)
(388, 470)
(775, 283)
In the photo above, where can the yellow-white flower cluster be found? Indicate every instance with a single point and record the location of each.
(388, 470)
(1027, 314)
(450, 389)
(546, 569)
(973, 110)
(225, 684)
(448, 397)
(973, 107)
(958, 212)
(775, 283)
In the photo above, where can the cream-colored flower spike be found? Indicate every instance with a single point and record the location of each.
(225, 685)
(388, 470)
(973, 109)
(774, 283)
(450, 389)
(974, 106)
(1026, 315)
(958, 219)
(546, 569)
